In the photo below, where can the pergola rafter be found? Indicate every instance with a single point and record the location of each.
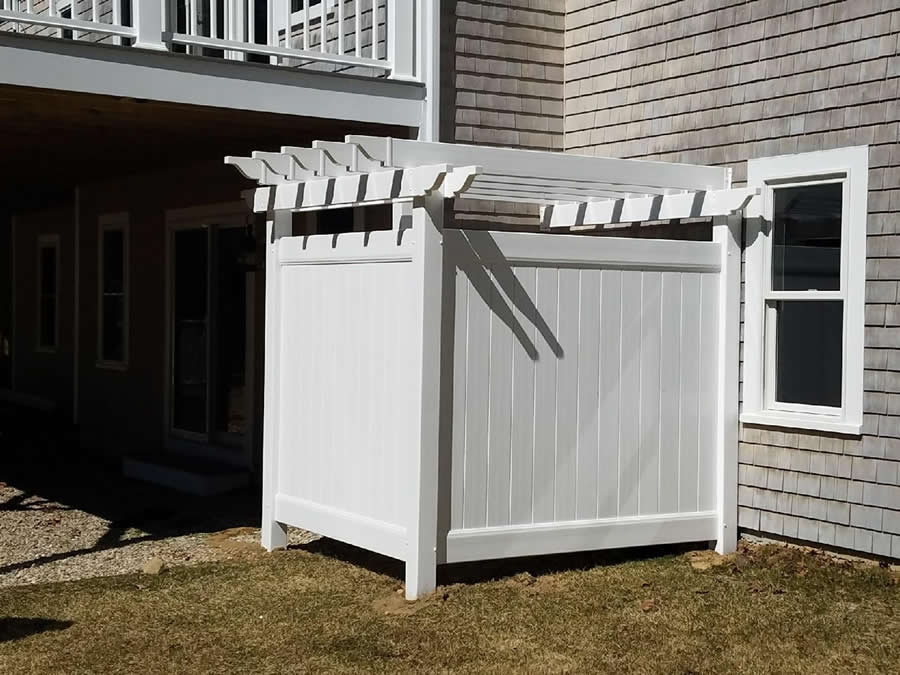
(573, 191)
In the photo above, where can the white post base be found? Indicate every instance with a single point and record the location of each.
(274, 535)
(420, 581)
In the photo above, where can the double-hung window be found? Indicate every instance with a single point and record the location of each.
(48, 293)
(112, 315)
(805, 291)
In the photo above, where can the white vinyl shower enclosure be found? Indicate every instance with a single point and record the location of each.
(442, 395)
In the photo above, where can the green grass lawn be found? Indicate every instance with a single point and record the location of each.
(766, 610)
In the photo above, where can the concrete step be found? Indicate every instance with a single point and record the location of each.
(191, 475)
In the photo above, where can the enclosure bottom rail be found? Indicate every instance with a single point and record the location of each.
(513, 541)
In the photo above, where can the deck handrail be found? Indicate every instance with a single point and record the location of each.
(372, 37)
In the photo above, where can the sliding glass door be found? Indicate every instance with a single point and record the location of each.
(210, 397)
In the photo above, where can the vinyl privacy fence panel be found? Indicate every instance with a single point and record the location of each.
(584, 393)
(345, 431)
(448, 396)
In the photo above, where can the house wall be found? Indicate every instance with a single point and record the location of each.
(44, 375)
(720, 82)
(502, 84)
(122, 410)
(6, 258)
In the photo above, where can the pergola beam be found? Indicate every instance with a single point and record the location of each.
(642, 209)
(534, 163)
(360, 189)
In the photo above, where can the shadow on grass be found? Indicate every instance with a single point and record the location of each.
(486, 570)
(16, 628)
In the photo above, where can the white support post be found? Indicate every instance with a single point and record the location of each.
(148, 21)
(727, 233)
(421, 557)
(401, 31)
(274, 534)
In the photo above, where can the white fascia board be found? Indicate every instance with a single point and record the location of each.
(66, 65)
(536, 163)
(643, 209)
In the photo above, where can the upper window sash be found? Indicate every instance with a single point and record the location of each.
(769, 218)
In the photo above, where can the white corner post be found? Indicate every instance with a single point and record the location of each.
(148, 22)
(401, 38)
(274, 534)
(421, 551)
(727, 233)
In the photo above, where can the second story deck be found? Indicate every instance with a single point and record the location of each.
(354, 60)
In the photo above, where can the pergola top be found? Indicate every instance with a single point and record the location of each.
(573, 190)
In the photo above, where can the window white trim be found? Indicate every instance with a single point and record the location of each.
(112, 223)
(46, 241)
(849, 166)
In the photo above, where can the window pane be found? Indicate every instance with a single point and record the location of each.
(113, 328)
(48, 321)
(806, 242)
(48, 270)
(113, 261)
(809, 341)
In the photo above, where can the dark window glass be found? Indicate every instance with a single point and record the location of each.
(47, 333)
(806, 253)
(335, 221)
(113, 337)
(113, 261)
(48, 270)
(113, 328)
(809, 345)
(66, 14)
(297, 5)
(190, 326)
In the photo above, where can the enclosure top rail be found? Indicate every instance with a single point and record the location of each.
(573, 191)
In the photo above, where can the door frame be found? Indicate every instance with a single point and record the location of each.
(231, 214)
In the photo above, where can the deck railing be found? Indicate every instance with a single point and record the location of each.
(373, 37)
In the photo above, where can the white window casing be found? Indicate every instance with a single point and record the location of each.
(117, 222)
(848, 167)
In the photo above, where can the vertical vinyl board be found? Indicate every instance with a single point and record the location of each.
(522, 428)
(477, 392)
(630, 393)
(460, 365)
(500, 410)
(690, 391)
(708, 391)
(547, 291)
(608, 412)
(670, 392)
(651, 316)
(567, 394)
(589, 349)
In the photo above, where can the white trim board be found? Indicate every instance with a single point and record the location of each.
(581, 535)
(374, 535)
(850, 166)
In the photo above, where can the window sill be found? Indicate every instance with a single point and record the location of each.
(112, 365)
(795, 421)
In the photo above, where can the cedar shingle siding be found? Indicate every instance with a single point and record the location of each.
(723, 81)
(720, 82)
(503, 85)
